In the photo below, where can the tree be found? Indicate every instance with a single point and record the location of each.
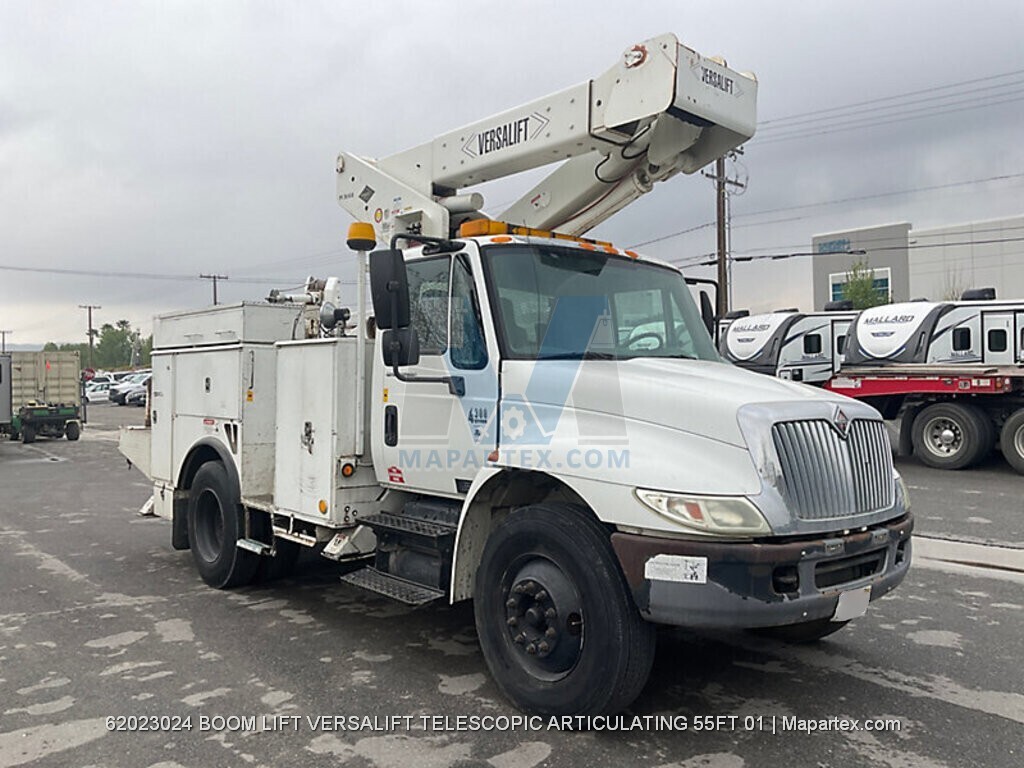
(860, 287)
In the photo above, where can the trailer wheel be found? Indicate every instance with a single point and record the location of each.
(555, 617)
(1011, 440)
(807, 632)
(951, 435)
(28, 433)
(216, 521)
(72, 430)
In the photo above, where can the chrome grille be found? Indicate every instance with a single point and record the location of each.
(825, 476)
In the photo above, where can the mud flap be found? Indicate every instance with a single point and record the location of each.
(179, 523)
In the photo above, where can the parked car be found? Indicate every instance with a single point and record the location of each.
(118, 392)
(97, 392)
(136, 396)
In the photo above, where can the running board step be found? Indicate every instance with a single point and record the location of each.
(426, 529)
(252, 545)
(402, 590)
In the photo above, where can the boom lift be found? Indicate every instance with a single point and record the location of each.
(661, 110)
(533, 420)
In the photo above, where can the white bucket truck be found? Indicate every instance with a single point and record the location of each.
(534, 421)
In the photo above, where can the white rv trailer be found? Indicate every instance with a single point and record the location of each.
(953, 372)
(799, 346)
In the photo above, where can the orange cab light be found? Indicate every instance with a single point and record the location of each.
(632, 254)
(588, 246)
(501, 239)
(479, 227)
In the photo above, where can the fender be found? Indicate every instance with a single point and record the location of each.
(474, 525)
(197, 455)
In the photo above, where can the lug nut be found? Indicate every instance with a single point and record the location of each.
(543, 647)
(531, 649)
(541, 596)
(550, 613)
(512, 621)
(530, 587)
(551, 632)
(520, 639)
(511, 603)
(519, 589)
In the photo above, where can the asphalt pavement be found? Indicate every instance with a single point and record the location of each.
(114, 653)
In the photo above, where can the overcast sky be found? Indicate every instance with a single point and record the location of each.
(176, 138)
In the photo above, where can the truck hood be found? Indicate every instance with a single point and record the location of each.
(695, 396)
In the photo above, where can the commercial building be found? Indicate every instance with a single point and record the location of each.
(935, 263)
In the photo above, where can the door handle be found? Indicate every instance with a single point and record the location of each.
(391, 425)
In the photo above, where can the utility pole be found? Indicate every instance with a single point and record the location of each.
(214, 278)
(722, 182)
(3, 340)
(92, 331)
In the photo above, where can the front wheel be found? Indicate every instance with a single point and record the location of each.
(72, 430)
(28, 433)
(555, 617)
(216, 521)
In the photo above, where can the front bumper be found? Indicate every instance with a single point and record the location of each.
(742, 584)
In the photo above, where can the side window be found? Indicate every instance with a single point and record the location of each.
(468, 350)
(997, 340)
(840, 345)
(812, 344)
(428, 294)
(961, 339)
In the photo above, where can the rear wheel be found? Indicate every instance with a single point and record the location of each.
(951, 435)
(28, 433)
(555, 617)
(72, 430)
(216, 521)
(807, 632)
(1011, 440)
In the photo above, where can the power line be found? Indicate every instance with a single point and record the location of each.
(824, 203)
(146, 275)
(867, 251)
(948, 86)
(873, 123)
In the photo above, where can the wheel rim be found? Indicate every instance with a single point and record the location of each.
(1018, 440)
(943, 437)
(209, 526)
(543, 617)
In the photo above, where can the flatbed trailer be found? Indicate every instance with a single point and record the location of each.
(951, 415)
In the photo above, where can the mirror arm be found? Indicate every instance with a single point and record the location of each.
(456, 384)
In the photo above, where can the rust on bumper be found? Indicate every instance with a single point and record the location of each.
(757, 584)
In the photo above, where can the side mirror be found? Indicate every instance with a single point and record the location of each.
(707, 313)
(401, 347)
(389, 288)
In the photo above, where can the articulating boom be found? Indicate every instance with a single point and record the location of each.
(661, 110)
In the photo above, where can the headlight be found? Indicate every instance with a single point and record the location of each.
(713, 514)
(901, 490)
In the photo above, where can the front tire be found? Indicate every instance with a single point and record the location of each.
(28, 433)
(556, 620)
(216, 521)
(72, 430)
